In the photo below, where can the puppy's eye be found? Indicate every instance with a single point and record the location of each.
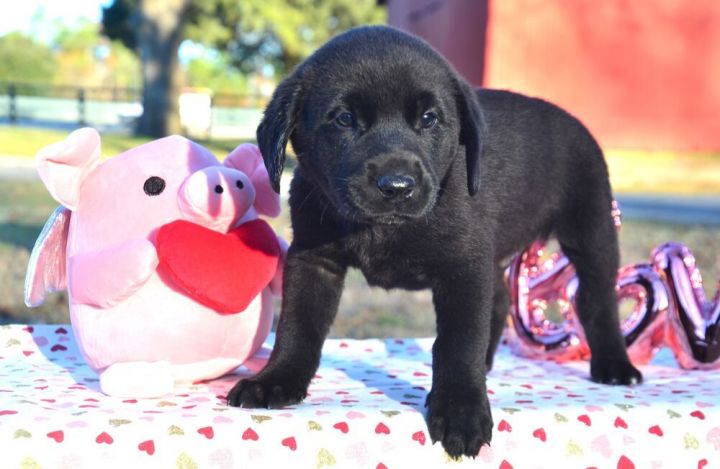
(428, 120)
(345, 119)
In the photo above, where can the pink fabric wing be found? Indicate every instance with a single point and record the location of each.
(46, 270)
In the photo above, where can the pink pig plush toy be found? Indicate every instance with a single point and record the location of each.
(170, 272)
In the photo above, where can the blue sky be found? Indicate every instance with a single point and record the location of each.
(40, 17)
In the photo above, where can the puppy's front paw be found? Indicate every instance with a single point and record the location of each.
(267, 392)
(462, 424)
(619, 371)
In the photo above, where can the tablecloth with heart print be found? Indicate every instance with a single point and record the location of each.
(365, 409)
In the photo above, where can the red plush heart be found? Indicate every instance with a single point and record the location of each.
(222, 271)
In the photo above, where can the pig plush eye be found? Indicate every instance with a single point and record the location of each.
(154, 185)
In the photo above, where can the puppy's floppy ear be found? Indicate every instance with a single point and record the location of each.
(277, 125)
(472, 130)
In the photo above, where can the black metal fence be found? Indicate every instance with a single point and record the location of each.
(25, 99)
(111, 107)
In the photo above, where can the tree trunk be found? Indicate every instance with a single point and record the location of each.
(160, 31)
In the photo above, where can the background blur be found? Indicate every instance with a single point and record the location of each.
(643, 76)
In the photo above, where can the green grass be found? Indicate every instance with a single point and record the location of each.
(631, 171)
(364, 311)
(24, 141)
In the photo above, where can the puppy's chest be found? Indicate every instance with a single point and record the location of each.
(391, 263)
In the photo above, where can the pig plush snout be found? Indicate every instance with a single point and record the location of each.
(216, 197)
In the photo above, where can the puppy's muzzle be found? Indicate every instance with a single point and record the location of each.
(392, 186)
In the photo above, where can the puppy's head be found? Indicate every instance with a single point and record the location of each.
(377, 119)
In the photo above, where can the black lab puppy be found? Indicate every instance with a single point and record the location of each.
(410, 175)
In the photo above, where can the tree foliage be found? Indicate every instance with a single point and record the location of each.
(279, 33)
(120, 21)
(85, 57)
(255, 35)
(23, 59)
(252, 35)
(215, 74)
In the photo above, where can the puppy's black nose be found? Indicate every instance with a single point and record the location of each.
(393, 186)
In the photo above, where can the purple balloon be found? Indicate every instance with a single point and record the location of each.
(644, 327)
(534, 285)
(669, 307)
(693, 331)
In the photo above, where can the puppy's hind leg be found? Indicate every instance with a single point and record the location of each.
(588, 237)
(498, 320)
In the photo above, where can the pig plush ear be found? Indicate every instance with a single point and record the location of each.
(63, 166)
(247, 158)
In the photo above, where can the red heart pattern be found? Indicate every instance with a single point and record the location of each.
(57, 435)
(656, 430)
(222, 271)
(342, 426)
(250, 434)
(207, 432)
(104, 438)
(147, 446)
(419, 436)
(290, 443)
(382, 428)
(504, 426)
(540, 434)
(625, 463)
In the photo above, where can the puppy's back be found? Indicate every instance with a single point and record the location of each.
(536, 147)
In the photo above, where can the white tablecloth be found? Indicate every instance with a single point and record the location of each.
(365, 409)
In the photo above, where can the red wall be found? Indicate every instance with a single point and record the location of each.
(640, 74)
